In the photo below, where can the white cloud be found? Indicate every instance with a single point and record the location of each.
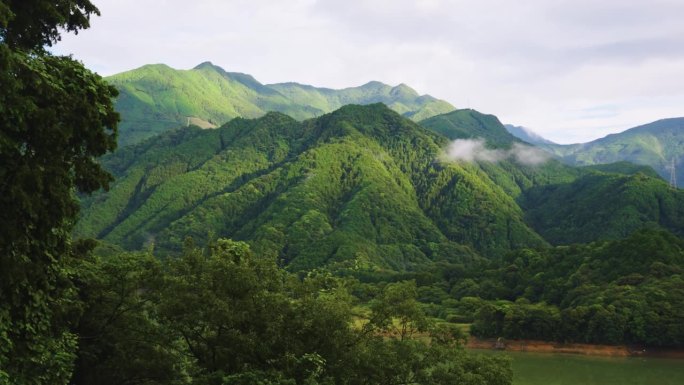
(537, 63)
(528, 155)
(475, 150)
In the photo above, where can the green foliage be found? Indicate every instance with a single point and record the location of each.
(623, 167)
(227, 316)
(388, 355)
(55, 118)
(157, 98)
(401, 99)
(603, 206)
(469, 204)
(32, 24)
(359, 191)
(619, 292)
(398, 302)
(120, 338)
(238, 312)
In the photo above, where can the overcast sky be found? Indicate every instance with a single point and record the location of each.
(570, 70)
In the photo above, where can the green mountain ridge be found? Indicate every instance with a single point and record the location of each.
(655, 144)
(155, 98)
(361, 187)
(614, 205)
(471, 124)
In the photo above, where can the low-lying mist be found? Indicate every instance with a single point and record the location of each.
(474, 150)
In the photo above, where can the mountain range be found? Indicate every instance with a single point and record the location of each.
(155, 98)
(659, 145)
(364, 187)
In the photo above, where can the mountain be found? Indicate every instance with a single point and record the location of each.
(156, 98)
(624, 167)
(470, 124)
(655, 144)
(361, 184)
(613, 205)
(401, 98)
(527, 135)
(361, 187)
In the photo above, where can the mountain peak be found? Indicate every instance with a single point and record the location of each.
(403, 91)
(247, 80)
(469, 124)
(374, 84)
(527, 135)
(208, 65)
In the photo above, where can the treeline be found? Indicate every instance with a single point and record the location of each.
(223, 315)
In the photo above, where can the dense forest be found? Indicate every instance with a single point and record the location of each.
(224, 315)
(620, 292)
(610, 292)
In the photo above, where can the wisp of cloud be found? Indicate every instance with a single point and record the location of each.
(474, 150)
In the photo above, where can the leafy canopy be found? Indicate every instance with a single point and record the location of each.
(55, 118)
(32, 24)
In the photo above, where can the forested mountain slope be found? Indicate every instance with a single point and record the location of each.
(471, 124)
(361, 186)
(613, 205)
(156, 98)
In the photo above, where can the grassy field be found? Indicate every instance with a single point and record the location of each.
(566, 369)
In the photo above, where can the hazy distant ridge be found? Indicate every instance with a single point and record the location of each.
(655, 144)
(527, 135)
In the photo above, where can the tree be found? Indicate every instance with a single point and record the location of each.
(397, 312)
(120, 338)
(393, 354)
(32, 24)
(55, 118)
(239, 315)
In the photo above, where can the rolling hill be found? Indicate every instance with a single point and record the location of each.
(156, 98)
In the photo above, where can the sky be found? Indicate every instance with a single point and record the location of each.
(570, 70)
